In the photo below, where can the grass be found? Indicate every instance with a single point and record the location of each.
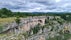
(6, 20)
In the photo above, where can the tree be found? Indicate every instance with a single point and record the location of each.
(36, 29)
(17, 20)
(4, 12)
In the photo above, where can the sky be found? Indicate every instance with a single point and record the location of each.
(37, 5)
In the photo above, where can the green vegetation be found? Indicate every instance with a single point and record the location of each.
(63, 35)
(7, 20)
(4, 21)
(7, 16)
(60, 37)
(4, 12)
(25, 35)
(36, 29)
(17, 20)
(1, 28)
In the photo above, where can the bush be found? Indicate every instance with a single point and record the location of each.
(1, 29)
(17, 20)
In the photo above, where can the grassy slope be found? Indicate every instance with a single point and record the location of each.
(4, 20)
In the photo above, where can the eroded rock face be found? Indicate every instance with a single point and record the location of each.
(28, 23)
(41, 37)
(25, 28)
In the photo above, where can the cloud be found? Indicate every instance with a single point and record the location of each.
(37, 5)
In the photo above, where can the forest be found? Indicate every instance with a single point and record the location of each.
(5, 13)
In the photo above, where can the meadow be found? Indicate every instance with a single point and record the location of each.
(7, 20)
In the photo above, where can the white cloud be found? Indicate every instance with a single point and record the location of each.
(37, 5)
(57, 0)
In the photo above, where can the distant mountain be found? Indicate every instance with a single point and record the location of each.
(51, 12)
